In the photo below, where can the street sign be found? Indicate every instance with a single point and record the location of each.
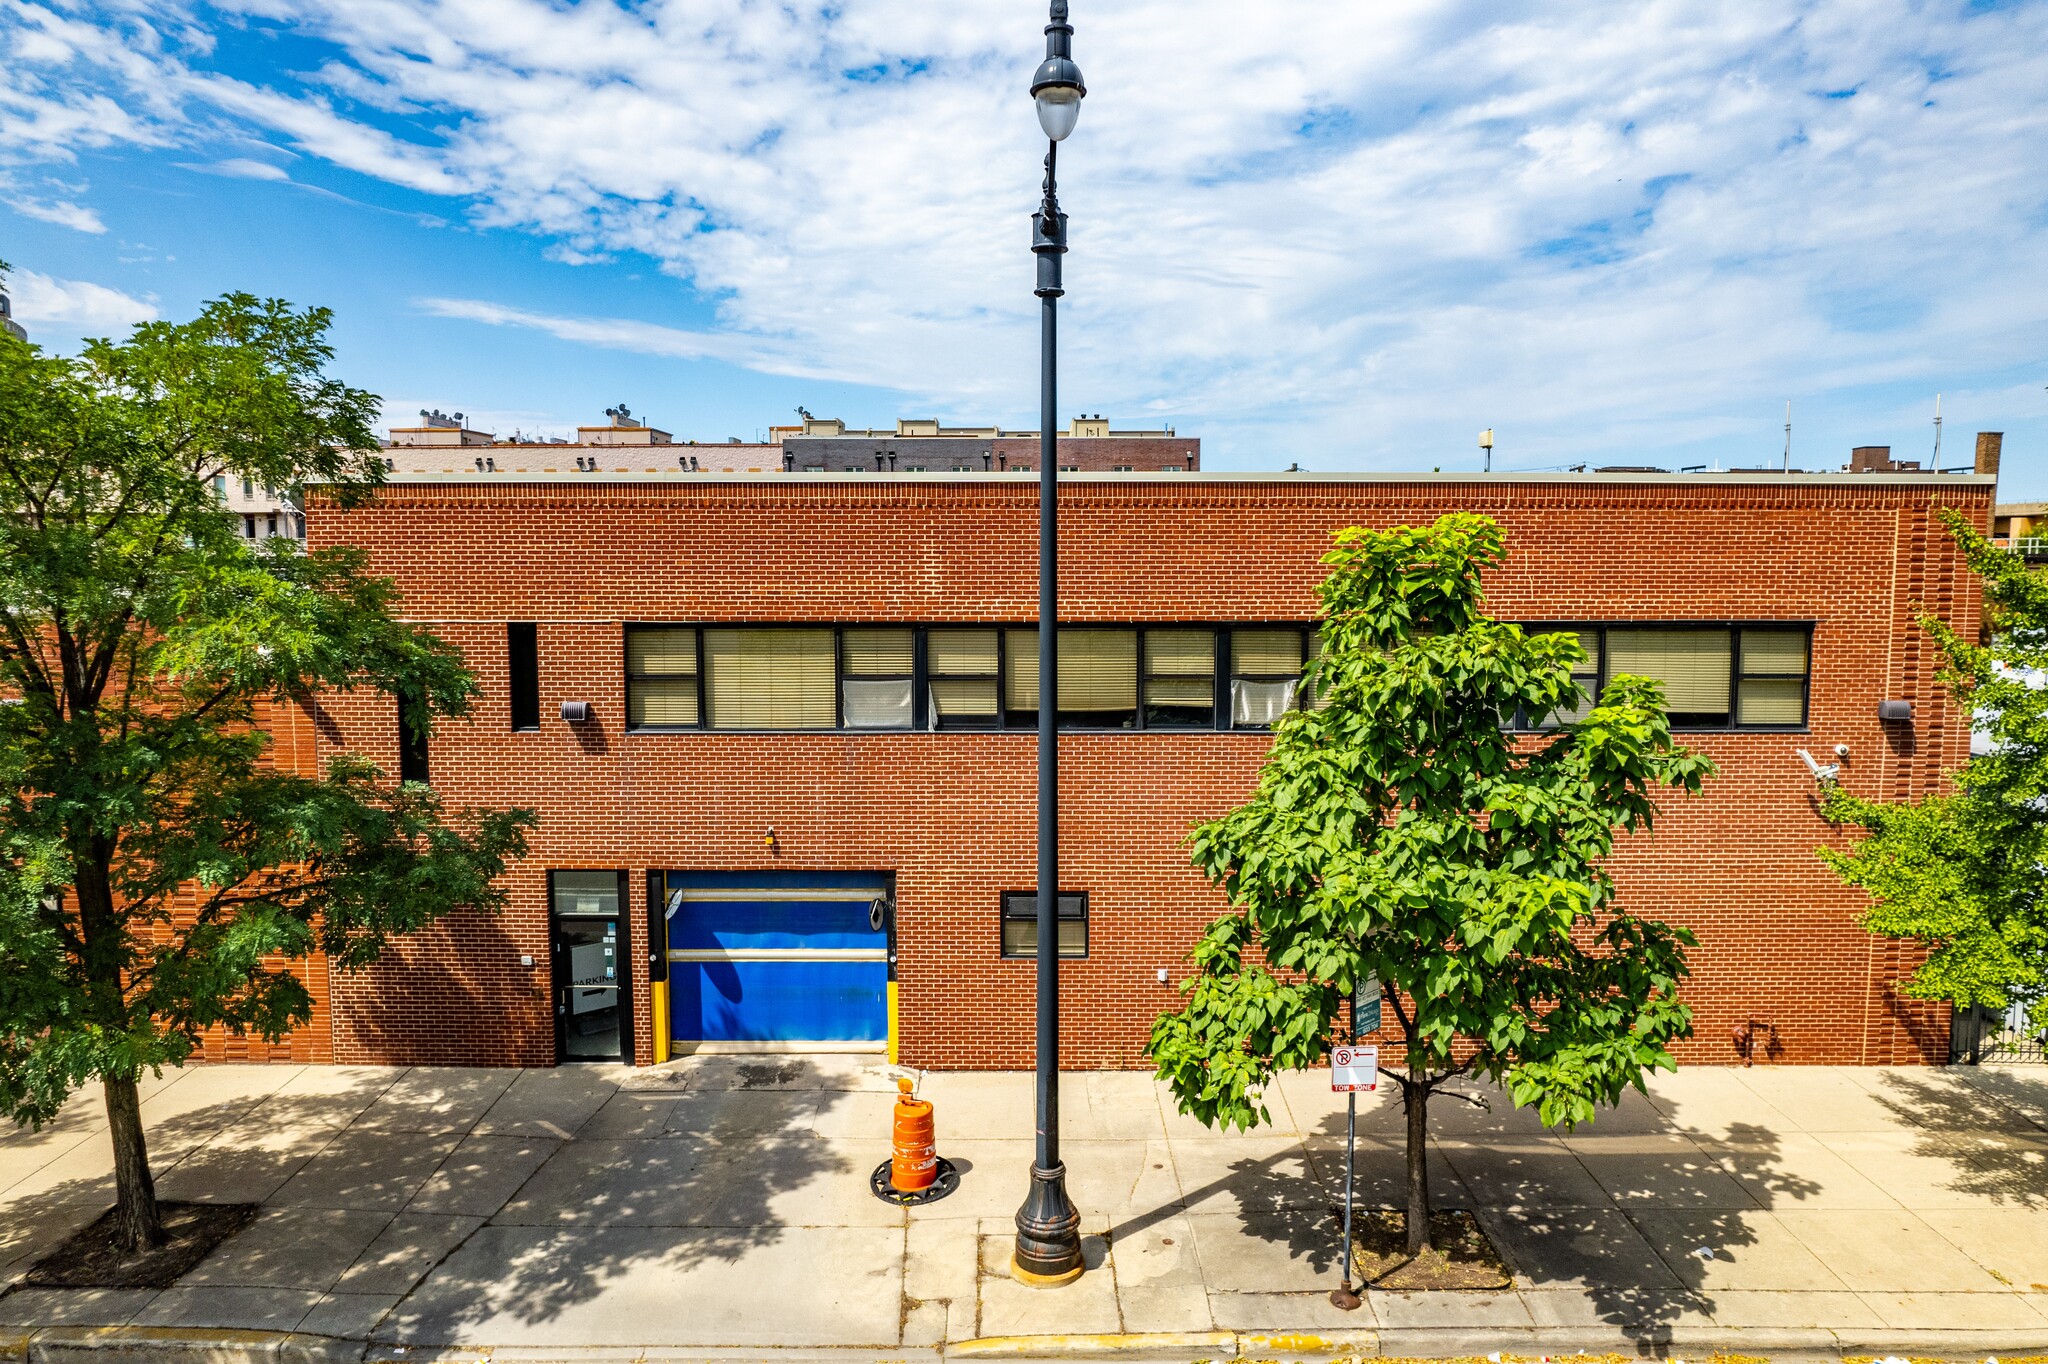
(1365, 1006)
(1354, 1068)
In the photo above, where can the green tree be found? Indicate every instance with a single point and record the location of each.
(159, 875)
(1398, 829)
(1964, 871)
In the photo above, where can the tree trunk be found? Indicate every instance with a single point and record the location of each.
(1415, 1098)
(141, 1226)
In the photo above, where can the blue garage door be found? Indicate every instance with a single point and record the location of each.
(778, 957)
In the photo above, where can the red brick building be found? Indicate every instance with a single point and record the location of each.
(762, 621)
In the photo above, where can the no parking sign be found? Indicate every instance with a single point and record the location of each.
(1354, 1068)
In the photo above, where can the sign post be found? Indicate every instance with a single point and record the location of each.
(1353, 1068)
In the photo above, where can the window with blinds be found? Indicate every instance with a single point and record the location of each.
(877, 669)
(1020, 679)
(1265, 675)
(1694, 666)
(661, 678)
(1723, 676)
(964, 668)
(1098, 678)
(1180, 679)
(1586, 674)
(1771, 689)
(1020, 923)
(772, 678)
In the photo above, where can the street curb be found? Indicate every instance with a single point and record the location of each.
(1439, 1342)
(189, 1345)
(183, 1344)
(1137, 1345)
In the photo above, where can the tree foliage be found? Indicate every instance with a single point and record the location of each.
(1398, 829)
(159, 873)
(1965, 871)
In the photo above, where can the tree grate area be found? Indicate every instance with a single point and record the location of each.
(1461, 1259)
(91, 1258)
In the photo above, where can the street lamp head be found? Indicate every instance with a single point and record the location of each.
(1058, 90)
(1056, 86)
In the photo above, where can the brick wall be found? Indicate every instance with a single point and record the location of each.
(952, 815)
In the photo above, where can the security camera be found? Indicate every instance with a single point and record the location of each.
(1823, 775)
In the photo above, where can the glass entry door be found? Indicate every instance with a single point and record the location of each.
(592, 1011)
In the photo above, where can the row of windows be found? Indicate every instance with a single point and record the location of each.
(1752, 676)
(965, 677)
(1715, 677)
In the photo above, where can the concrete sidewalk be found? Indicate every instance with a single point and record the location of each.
(723, 1202)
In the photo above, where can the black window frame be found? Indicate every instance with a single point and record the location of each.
(930, 721)
(625, 671)
(1228, 676)
(1692, 723)
(522, 674)
(1021, 906)
(1005, 719)
(1146, 676)
(414, 760)
(841, 677)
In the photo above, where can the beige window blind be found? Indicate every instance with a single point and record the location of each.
(661, 701)
(1098, 670)
(876, 652)
(1778, 697)
(963, 698)
(1692, 665)
(771, 679)
(1020, 688)
(1182, 653)
(661, 682)
(1265, 653)
(951, 653)
(661, 652)
(1772, 701)
(1777, 652)
(1180, 667)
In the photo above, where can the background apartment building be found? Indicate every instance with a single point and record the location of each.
(444, 443)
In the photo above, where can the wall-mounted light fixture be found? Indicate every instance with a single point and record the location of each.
(575, 712)
(769, 838)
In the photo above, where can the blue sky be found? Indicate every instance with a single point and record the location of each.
(1344, 236)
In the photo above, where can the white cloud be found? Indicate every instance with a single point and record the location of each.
(1332, 232)
(240, 168)
(73, 306)
(62, 212)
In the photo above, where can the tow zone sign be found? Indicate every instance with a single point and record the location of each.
(1354, 1068)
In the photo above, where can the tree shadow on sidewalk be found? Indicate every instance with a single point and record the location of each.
(707, 1180)
(1984, 1124)
(382, 1169)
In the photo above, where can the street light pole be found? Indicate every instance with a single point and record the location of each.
(1048, 1250)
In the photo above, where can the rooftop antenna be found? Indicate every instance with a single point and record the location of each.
(1937, 433)
(1486, 444)
(1788, 435)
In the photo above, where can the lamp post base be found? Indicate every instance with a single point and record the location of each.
(1048, 1252)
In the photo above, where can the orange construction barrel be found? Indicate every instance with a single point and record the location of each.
(914, 1154)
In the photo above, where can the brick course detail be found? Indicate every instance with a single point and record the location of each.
(952, 814)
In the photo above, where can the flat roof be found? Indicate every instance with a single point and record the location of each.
(1748, 478)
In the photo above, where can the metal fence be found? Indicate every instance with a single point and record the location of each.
(1980, 1034)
